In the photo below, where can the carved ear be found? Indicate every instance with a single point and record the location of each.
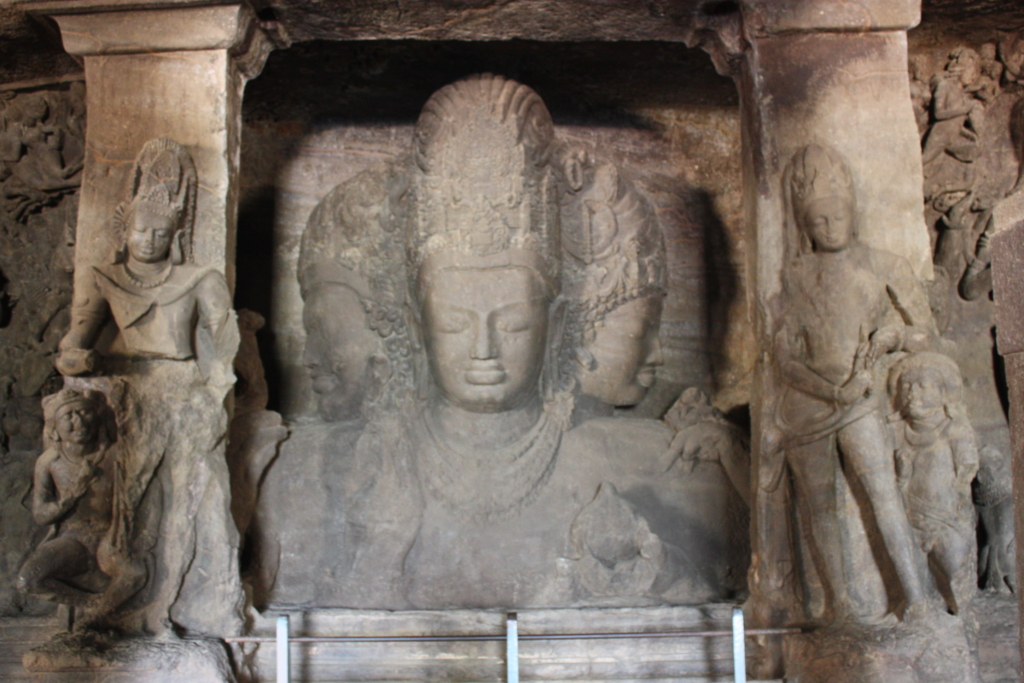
(420, 371)
(177, 248)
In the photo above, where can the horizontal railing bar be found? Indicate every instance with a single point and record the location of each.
(497, 638)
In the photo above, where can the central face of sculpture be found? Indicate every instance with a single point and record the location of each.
(150, 235)
(338, 350)
(626, 352)
(485, 331)
(77, 423)
(828, 222)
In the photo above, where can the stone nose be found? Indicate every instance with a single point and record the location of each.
(484, 342)
(655, 357)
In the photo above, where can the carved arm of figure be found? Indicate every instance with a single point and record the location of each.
(89, 312)
(219, 324)
(915, 327)
(965, 454)
(977, 279)
(797, 374)
(49, 506)
(949, 100)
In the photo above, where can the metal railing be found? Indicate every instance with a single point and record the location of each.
(283, 640)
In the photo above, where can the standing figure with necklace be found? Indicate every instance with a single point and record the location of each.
(847, 308)
(157, 298)
(936, 461)
(172, 342)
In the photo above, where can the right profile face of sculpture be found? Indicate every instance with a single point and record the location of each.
(485, 247)
(352, 277)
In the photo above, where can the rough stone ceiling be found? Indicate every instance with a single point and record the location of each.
(562, 20)
(30, 49)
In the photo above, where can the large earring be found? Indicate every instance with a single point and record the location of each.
(177, 249)
(420, 367)
(550, 374)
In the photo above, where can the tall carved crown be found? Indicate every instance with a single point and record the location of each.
(819, 171)
(482, 181)
(164, 182)
(616, 247)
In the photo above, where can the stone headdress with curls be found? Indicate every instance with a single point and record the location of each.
(944, 367)
(163, 182)
(354, 239)
(65, 399)
(482, 180)
(815, 172)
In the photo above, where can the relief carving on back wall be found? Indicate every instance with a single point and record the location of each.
(970, 111)
(42, 134)
(474, 311)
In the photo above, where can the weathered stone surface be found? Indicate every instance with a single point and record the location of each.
(677, 137)
(42, 142)
(446, 456)
(93, 657)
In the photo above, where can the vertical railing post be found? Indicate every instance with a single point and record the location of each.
(512, 648)
(283, 651)
(739, 649)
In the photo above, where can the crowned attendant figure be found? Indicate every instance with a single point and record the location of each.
(848, 307)
(172, 340)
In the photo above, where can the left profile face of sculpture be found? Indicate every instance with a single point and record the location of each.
(352, 277)
(615, 282)
(339, 351)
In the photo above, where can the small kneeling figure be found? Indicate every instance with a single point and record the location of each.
(936, 460)
(75, 491)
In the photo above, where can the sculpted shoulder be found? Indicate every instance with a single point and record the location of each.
(632, 445)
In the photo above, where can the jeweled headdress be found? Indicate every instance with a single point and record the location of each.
(350, 240)
(164, 182)
(616, 247)
(815, 172)
(819, 171)
(482, 180)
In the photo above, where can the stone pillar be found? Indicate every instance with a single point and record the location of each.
(1008, 290)
(834, 73)
(171, 70)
